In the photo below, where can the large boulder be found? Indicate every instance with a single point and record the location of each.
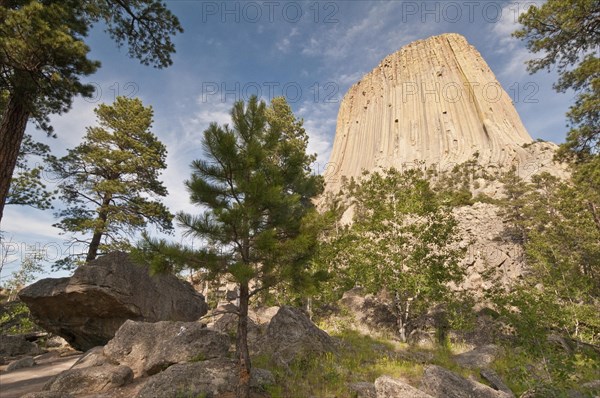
(12, 346)
(88, 308)
(291, 334)
(205, 379)
(25, 362)
(90, 379)
(442, 383)
(149, 348)
(479, 357)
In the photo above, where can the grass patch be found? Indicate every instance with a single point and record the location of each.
(360, 358)
(553, 375)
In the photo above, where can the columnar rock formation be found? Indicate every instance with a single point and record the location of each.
(435, 101)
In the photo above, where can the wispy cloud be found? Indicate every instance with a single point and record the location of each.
(285, 43)
(511, 49)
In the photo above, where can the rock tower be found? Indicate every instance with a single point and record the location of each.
(434, 101)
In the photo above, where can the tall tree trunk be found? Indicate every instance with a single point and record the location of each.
(99, 230)
(12, 130)
(243, 355)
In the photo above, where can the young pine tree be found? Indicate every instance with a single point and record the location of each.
(255, 189)
(110, 181)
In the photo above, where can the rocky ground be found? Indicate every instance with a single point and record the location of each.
(351, 353)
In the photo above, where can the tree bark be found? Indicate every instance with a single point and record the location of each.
(98, 231)
(12, 130)
(242, 353)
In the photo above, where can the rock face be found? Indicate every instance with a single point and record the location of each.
(488, 251)
(436, 101)
(89, 307)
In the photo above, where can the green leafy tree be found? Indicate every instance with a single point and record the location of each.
(258, 220)
(110, 181)
(43, 57)
(563, 252)
(554, 307)
(513, 204)
(401, 241)
(30, 266)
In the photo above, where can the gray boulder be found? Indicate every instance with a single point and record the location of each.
(206, 378)
(387, 387)
(94, 357)
(442, 383)
(89, 307)
(12, 346)
(149, 348)
(291, 334)
(91, 379)
(495, 381)
(362, 389)
(25, 362)
(263, 315)
(479, 357)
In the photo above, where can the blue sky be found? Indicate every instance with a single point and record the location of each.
(310, 51)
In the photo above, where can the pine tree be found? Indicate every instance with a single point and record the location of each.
(259, 222)
(28, 187)
(43, 57)
(110, 180)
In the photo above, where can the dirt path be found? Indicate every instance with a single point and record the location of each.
(22, 381)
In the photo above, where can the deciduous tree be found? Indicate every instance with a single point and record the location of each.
(403, 241)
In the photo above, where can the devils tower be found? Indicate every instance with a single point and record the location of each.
(434, 101)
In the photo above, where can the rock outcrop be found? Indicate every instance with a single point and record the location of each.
(89, 307)
(434, 101)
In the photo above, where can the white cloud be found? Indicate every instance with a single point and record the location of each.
(510, 48)
(319, 123)
(285, 43)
